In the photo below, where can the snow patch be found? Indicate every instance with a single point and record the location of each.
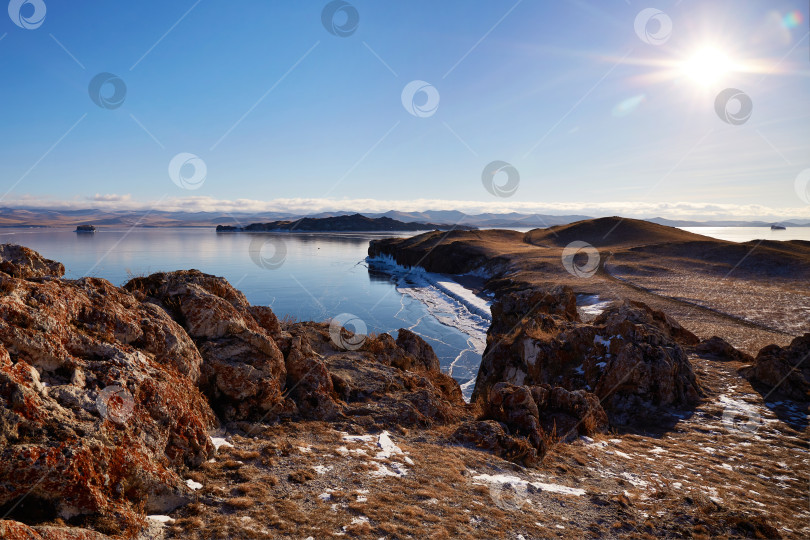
(514, 480)
(387, 446)
(193, 485)
(219, 442)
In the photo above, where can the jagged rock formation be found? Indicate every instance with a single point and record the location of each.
(70, 443)
(784, 370)
(630, 356)
(518, 422)
(23, 263)
(243, 371)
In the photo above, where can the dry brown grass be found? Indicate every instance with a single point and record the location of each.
(301, 476)
(240, 502)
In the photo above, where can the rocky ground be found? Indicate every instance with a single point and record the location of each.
(171, 408)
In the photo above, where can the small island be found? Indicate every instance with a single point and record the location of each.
(777, 227)
(351, 223)
(85, 229)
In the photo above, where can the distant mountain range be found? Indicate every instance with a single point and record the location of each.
(34, 217)
(354, 222)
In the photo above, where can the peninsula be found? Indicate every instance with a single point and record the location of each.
(352, 223)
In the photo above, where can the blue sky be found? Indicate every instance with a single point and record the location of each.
(594, 116)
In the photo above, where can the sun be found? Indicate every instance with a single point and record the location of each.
(707, 66)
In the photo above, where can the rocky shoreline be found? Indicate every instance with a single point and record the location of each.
(117, 402)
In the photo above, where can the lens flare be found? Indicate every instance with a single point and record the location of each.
(628, 105)
(792, 20)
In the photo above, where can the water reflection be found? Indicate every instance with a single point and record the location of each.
(322, 275)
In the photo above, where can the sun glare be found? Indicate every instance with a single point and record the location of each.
(707, 66)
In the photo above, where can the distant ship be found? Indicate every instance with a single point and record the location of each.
(85, 229)
(778, 227)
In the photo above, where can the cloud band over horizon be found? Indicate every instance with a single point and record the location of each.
(302, 206)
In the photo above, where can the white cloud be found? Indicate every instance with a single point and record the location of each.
(110, 197)
(673, 210)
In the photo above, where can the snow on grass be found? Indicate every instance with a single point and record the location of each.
(634, 479)
(193, 485)
(542, 486)
(397, 469)
(387, 446)
(590, 442)
(160, 518)
(357, 438)
(321, 469)
(219, 442)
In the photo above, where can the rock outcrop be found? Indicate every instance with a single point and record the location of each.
(531, 416)
(244, 371)
(14, 530)
(99, 409)
(784, 370)
(23, 263)
(718, 348)
(492, 436)
(380, 383)
(630, 356)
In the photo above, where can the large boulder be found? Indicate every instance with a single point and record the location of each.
(99, 408)
(784, 370)
(537, 414)
(514, 406)
(244, 372)
(417, 348)
(630, 356)
(717, 348)
(491, 436)
(24, 263)
(569, 413)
